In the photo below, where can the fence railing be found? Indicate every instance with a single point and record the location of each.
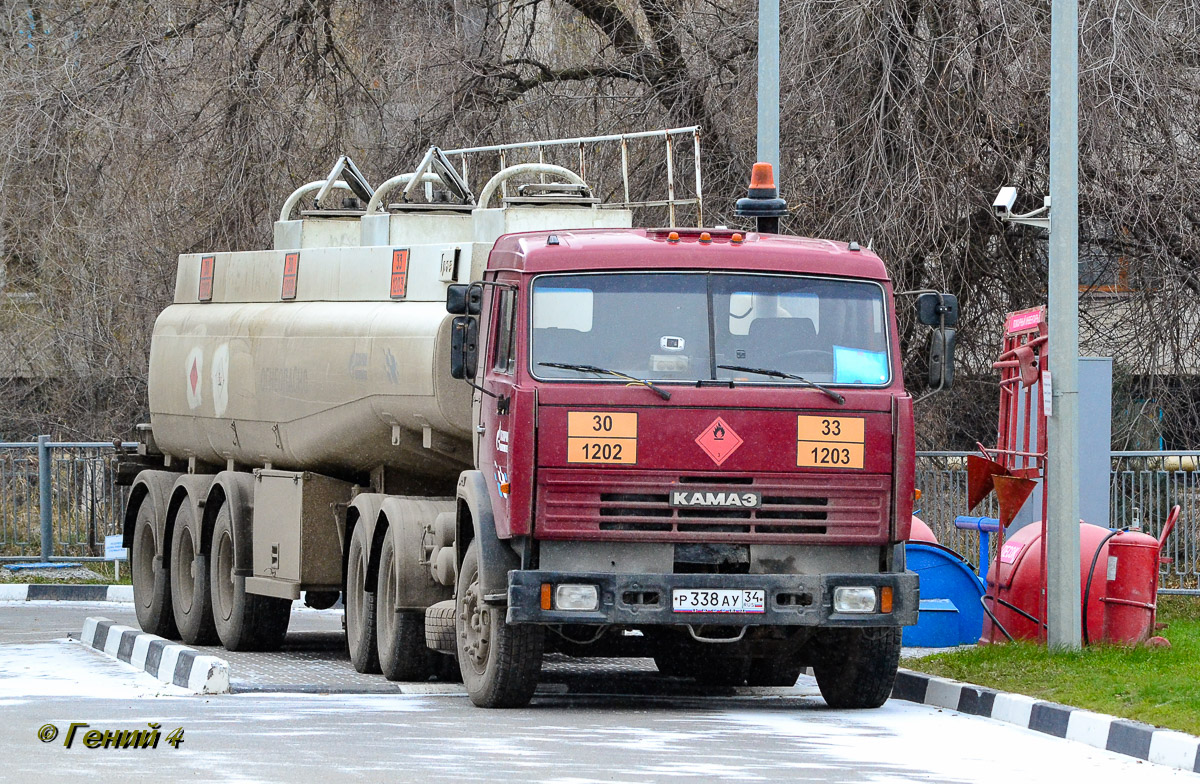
(58, 500)
(1143, 486)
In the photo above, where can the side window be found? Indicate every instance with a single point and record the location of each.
(506, 322)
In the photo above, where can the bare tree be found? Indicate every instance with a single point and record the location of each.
(132, 132)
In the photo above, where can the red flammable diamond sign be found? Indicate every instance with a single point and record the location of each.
(719, 441)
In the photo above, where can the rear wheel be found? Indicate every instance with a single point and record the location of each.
(856, 668)
(403, 655)
(500, 663)
(151, 583)
(360, 605)
(191, 599)
(245, 622)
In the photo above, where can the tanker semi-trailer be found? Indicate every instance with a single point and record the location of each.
(504, 431)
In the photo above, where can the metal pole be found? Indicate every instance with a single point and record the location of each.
(768, 84)
(1062, 481)
(44, 497)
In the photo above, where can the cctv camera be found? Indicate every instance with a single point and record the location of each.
(1005, 199)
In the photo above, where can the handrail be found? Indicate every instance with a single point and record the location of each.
(502, 176)
(294, 199)
(399, 179)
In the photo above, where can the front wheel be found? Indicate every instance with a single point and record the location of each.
(500, 663)
(244, 621)
(856, 668)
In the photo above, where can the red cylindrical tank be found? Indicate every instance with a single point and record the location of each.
(1132, 586)
(1016, 583)
(920, 532)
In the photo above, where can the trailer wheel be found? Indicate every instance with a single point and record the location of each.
(403, 655)
(856, 668)
(360, 606)
(244, 621)
(151, 582)
(775, 671)
(500, 663)
(190, 595)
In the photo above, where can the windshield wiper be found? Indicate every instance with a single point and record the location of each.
(664, 394)
(837, 398)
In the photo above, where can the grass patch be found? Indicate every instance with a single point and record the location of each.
(1153, 685)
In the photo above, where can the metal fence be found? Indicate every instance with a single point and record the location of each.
(58, 500)
(68, 491)
(1143, 487)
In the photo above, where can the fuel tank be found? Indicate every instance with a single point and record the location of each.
(331, 359)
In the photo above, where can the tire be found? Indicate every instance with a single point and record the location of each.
(439, 627)
(500, 663)
(403, 655)
(191, 599)
(244, 621)
(774, 672)
(856, 668)
(360, 606)
(151, 581)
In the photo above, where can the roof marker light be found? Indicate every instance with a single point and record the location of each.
(705, 237)
(552, 239)
(673, 237)
(736, 239)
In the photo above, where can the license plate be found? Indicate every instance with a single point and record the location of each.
(701, 600)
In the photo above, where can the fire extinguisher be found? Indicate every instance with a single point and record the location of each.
(1131, 590)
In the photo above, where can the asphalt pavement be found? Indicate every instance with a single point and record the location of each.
(304, 715)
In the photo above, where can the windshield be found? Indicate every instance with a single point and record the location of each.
(681, 326)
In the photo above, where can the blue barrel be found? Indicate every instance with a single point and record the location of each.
(950, 611)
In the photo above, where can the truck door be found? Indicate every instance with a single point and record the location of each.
(496, 414)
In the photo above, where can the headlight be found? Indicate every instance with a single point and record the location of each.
(848, 599)
(576, 597)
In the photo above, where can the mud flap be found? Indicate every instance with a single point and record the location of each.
(496, 558)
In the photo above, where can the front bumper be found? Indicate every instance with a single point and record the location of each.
(620, 595)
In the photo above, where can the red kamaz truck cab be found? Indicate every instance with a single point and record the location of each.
(694, 445)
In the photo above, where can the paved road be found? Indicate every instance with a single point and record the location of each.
(592, 724)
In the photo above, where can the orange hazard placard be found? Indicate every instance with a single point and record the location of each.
(399, 288)
(291, 271)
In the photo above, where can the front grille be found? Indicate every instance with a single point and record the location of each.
(591, 504)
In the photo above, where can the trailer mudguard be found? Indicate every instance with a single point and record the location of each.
(235, 488)
(150, 487)
(189, 489)
(496, 558)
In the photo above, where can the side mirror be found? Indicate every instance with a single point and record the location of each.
(932, 307)
(464, 347)
(941, 358)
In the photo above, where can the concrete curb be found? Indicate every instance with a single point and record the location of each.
(168, 661)
(20, 592)
(1131, 738)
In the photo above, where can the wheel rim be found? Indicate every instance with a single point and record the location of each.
(224, 581)
(186, 569)
(476, 626)
(143, 565)
(385, 595)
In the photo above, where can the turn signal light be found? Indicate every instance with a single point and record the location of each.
(885, 599)
(547, 595)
